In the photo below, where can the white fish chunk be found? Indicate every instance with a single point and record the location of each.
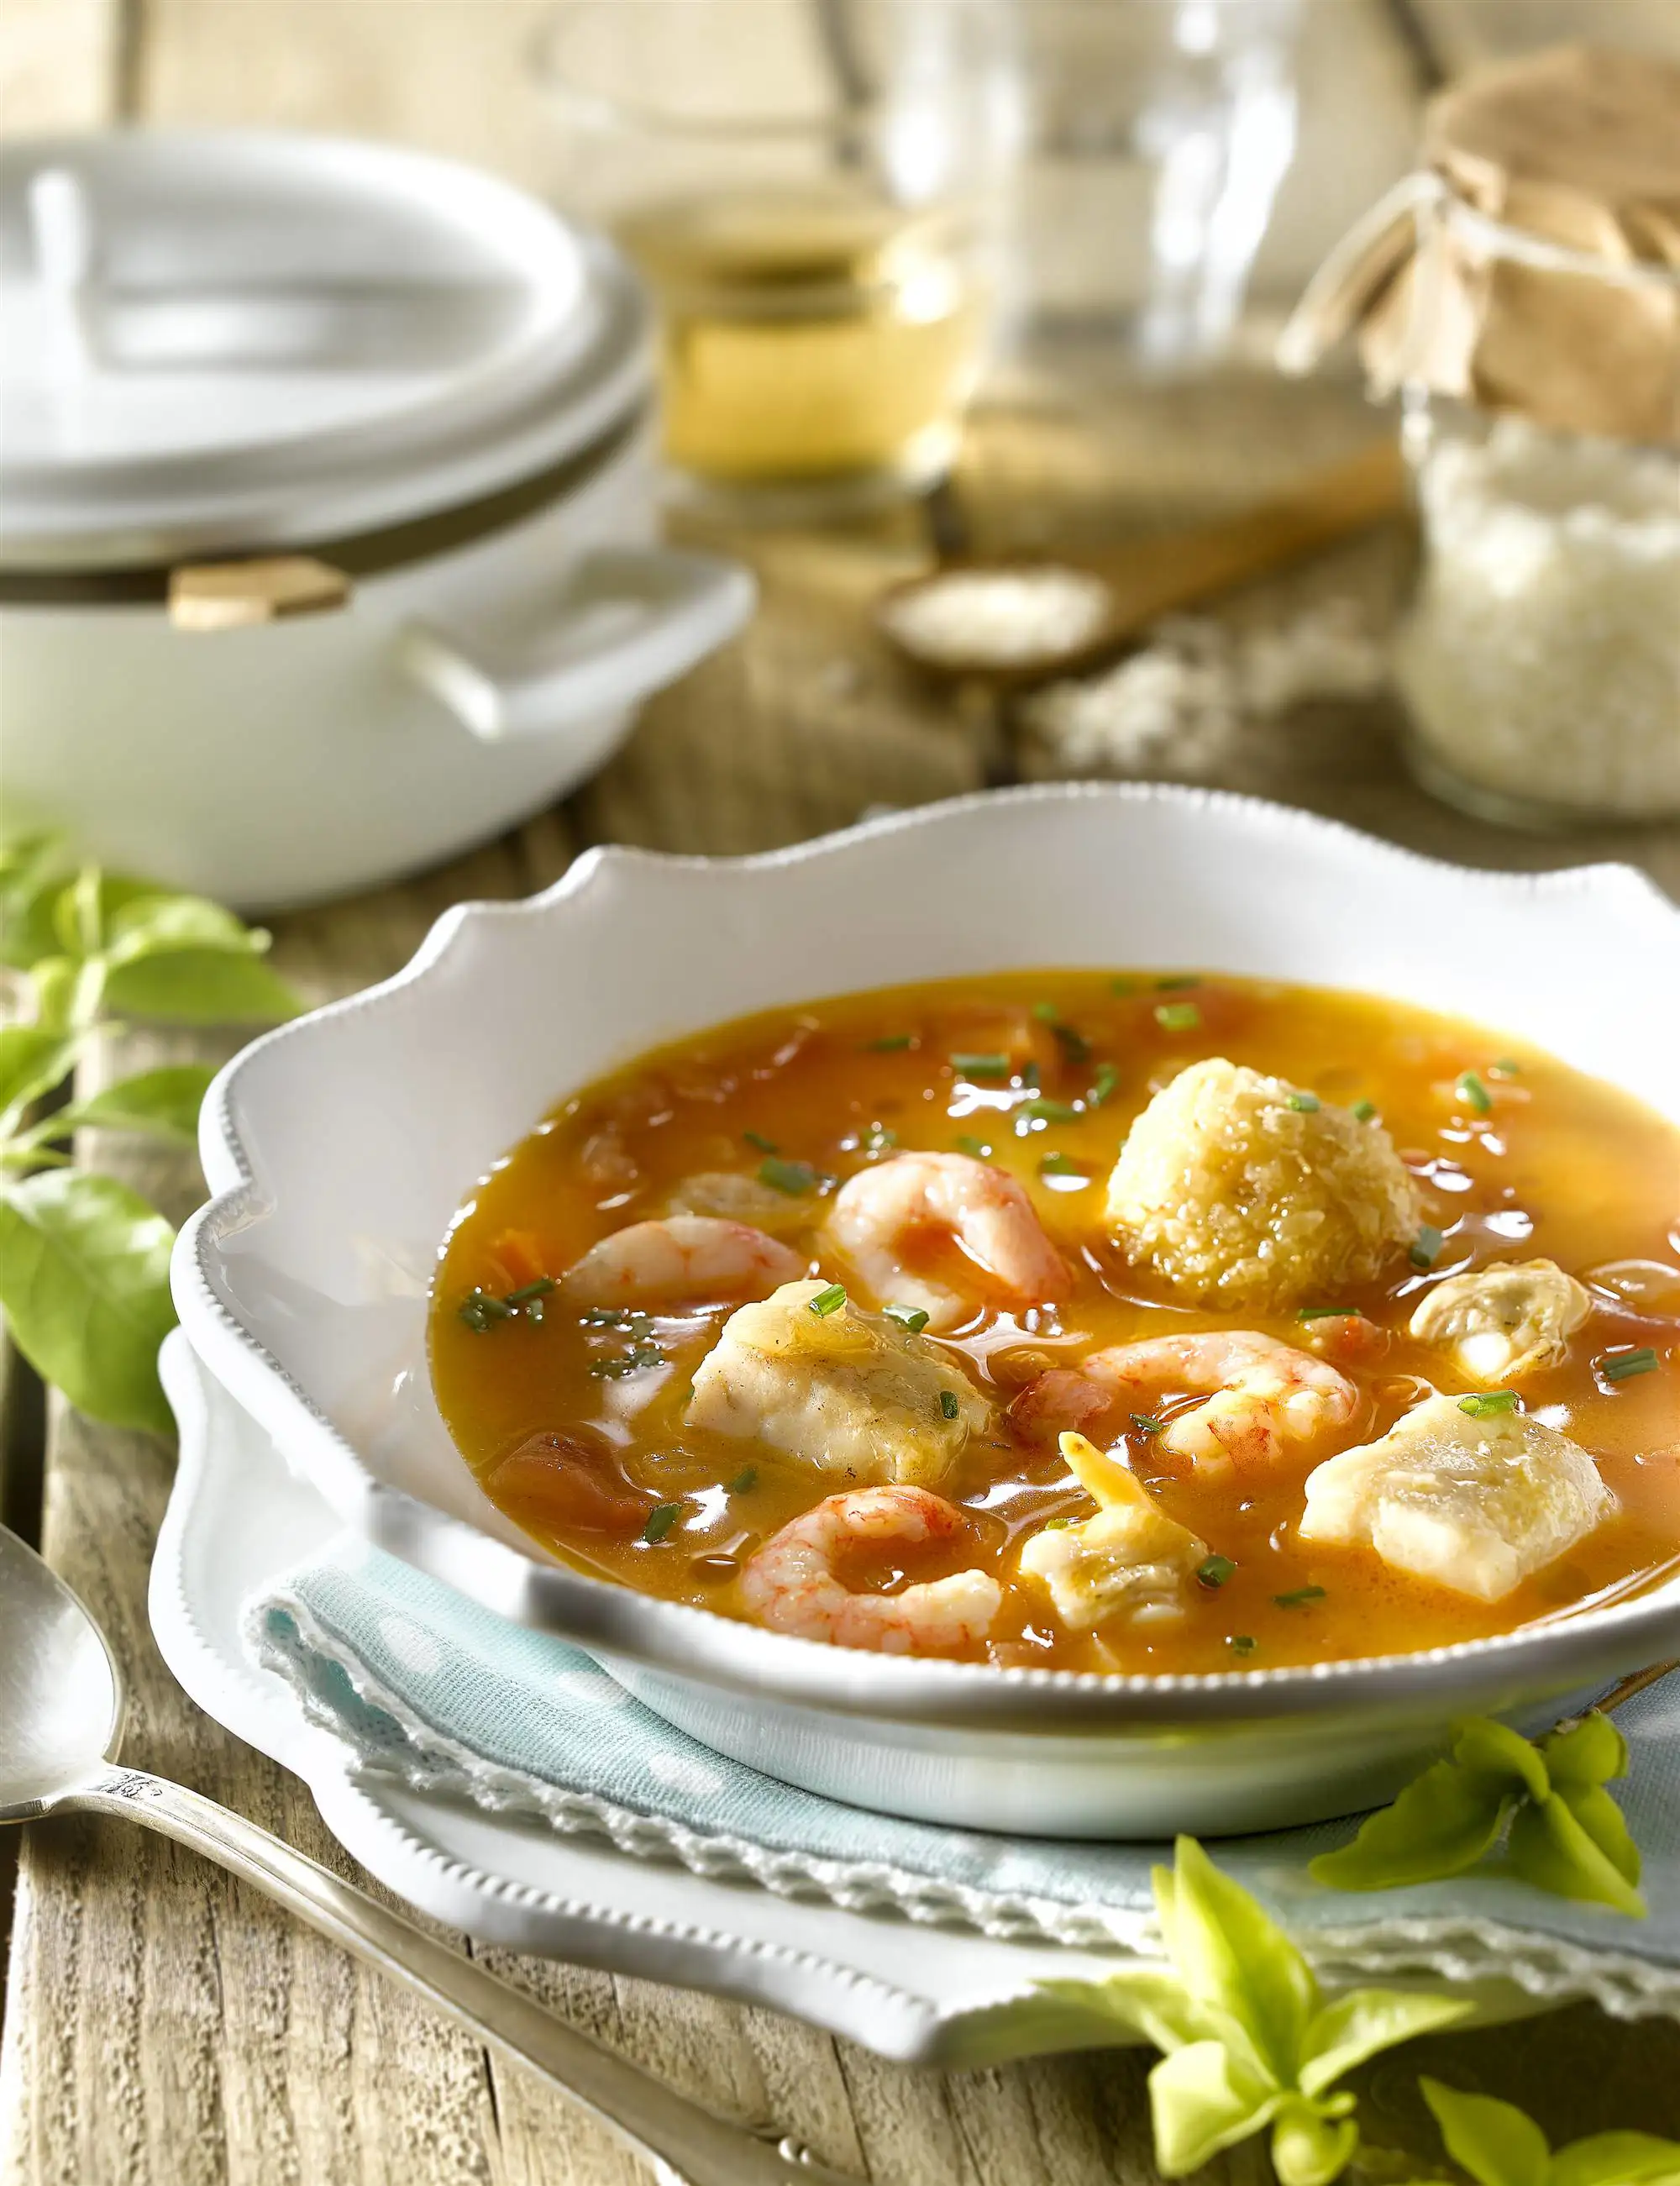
(1473, 1503)
(850, 1392)
(1130, 1559)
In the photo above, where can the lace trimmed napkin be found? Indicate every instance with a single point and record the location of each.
(424, 1685)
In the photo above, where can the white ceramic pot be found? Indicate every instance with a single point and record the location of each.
(312, 576)
(339, 1147)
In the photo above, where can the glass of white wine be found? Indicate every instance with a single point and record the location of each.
(809, 187)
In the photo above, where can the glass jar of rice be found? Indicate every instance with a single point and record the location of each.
(1521, 293)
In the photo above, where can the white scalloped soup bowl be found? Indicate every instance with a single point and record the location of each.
(339, 1148)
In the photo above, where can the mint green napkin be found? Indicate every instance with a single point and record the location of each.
(422, 1684)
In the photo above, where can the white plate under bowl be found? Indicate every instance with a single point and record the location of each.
(339, 1147)
(849, 1962)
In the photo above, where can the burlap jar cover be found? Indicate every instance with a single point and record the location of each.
(1532, 263)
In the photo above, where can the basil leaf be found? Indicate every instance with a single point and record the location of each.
(66, 992)
(1310, 2147)
(1617, 2159)
(1201, 2101)
(1549, 1848)
(1493, 1749)
(1590, 1752)
(33, 1058)
(27, 899)
(1597, 1814)
(1496, 2142)
(198, 986)
(163, 1104)
(1145, 1999)
(1230, 1954)
(1441, 1824)
(149, 922)
(84, 1281)
(1364, 2022)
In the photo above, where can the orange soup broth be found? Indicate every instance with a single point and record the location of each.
(577, 1429)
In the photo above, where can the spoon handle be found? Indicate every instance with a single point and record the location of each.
(684, 2144)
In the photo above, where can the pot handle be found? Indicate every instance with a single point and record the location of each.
(629, 621)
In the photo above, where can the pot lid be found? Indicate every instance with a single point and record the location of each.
(221, 342)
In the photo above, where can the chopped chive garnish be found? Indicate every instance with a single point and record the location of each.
(1050, 1112)
(1146, 1423)
(890, 1043)
(1300, 1598)
(635, 1360)
(1627, 1364)
(911, 1317)
(1177, 1017)
(1363, 1111)
(1215, 1571)
(1122, 986)
(1489, 1404)
(1073, 1043)
(949, 1405)
(480, 1311)
(624, 1319)
(1472, 1089)
(980, 1066)
(1325, 1313)
(1178, 979)
(1057, 1525)
(976, 1148)
(527, 1291)
(1304, 1104)
(758, 1139)
(1242, 1643)
(1060, 1165)
(878, 1139)
(1047, 1013)
(1507, 1068)
(1028, 1074)
(795, 1177)
(660, 1522)
(828, 1301)
(1108, 1078)
(747, 1479)
(1426, 1247)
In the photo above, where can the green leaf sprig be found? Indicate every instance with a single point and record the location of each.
(84, 1260)
(1249, 2044)
(1546, 1799)
(1500, 2145)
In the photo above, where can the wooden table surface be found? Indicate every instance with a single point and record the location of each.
(163, 2025)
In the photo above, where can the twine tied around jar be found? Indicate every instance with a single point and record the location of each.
(1532, 264)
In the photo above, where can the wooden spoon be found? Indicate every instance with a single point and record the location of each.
(1147, 578)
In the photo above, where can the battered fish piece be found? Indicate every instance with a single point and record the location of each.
(1244, 1191)
(1476, 1504)
(850, 1392)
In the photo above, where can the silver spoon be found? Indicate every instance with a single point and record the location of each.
(61, 1714)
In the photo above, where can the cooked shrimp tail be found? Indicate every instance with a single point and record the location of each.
(686, 1260)
(1263, 1399)
(982, 1209)
(791, 1585)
